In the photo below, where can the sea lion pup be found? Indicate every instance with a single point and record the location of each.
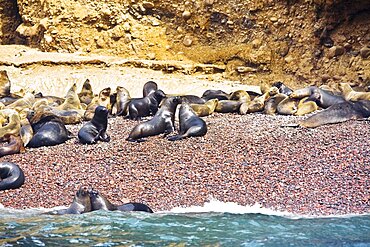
(215, 94)
(282, 88)
(4, 84)
(11, 176)
(81, 203)
(338, 113)
(48, 130)
(71, 102)
(121, 99)
(323, 98)
(13, 126)
(205, 109)
(350, 94)
(86, 94)
(100, 202)
(305, 106)
(95, 129)
(147, 106)
(14, 145)
(190, 124)
(149, 87)
(103, 99)
(163, 121)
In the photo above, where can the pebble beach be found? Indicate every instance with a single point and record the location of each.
(246, 159)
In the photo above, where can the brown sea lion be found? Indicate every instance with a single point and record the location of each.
(233, 104)
(215, 94)
(103, 99)
(323, 98)
(26, 131)
(272, 103)
(121, 100)
(14, 145)
(4, 84)
(240, 95)
(26, 102)
(147, 106)
(149, 87)
(190, 124)
(288, 106)
(71, 102)
(11, 176)
(163, 121)
(81, 203)
(96, 129)
(12, 127)
(305, 106)
(192, 99)
(51, 100)
(350, 94)
(86, 94)
(338, 113)
(256, 105)
(205, 109)
(100, 202)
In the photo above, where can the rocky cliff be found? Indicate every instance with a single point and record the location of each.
(300, 42)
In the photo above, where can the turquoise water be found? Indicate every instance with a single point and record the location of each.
(181, 227)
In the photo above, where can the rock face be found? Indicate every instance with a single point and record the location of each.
(293, 41)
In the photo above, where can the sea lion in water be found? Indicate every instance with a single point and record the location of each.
(350, 94)
(338, 113)
(14, 145)
(162, 122)
(143, 107)
(100, 202)
(11, 176)
(205, 109)
(190, 124)
(86, 94)
(81, 203)
(95, 129)
(149, 87)
(49, 130)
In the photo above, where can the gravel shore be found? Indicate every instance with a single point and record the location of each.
(244, 159)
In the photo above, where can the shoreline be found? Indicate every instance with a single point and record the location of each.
(243, 159)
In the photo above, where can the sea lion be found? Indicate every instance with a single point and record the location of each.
(48, 130)
(149, 87)
(338, 113)
(103, 99)
(11, 176)
(26, 102)
(190, 124)
(323, 98)
(287, 106)
(95, 129)
(256, 105)
(143, 107)
(4, 84)
(192, 99)
(14, 145)
(240, 95)
(162, 122)
(86, 94)
(351, 95)
(81, 203)
(26, 131)
(13, 127)
(121, 100)
(205, 109)
(100, 202)
(71, 102)
(50, 99)
(305, 106)
(234, 102)
(215, 94)
(282, 88)
(272, 103)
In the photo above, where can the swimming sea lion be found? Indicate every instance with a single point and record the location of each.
(350, 94)
(162, 122)
(14, 145)
(143, 107)
(215, 94)
(86, 94)
(49, 130)
(149, 87)
(81, 203)
(338, 113)
(190, 124)
(96, 129)
(100, 202)
(11, 176)
(205, 109)
(4, 84)
(306, 106)
(103, 99)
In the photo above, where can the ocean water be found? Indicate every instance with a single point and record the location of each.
(214, 224)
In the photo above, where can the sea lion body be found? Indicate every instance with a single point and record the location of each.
(162, 122)
(282, 88)
(86, 94)
(272, 103)
(306, 106)
(338, 113)
(71, 102)
(13, 126)
(14, 146)
(95, 129)
(81, 203)
(192, 99)
(25, 102)
(205, 109)
(287, 106)
(215, 94)
(48, 131)
(12, 176)
(103, 99)
(228, 106)
(257, 104)
(143, 107)
(149, 87)
(350, 94)
(190, 124)
(122, 100)
(323, 98)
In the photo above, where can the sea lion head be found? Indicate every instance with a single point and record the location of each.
(98, 201)
(82, 197)
(102, 112)
(159, 95)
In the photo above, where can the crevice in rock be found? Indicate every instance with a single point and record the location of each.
(10, 19)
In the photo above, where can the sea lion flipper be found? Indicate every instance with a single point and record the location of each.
(175, 138)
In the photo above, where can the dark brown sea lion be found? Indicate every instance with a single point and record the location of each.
(162, 122)
(190, 124)
(14, 145)
(215, 94)
(323, 98)
(338, 113)
(4, 84)
(147, 106)
(11, 176)
(149, 87)
(86, 94)
(192, 99)
(96, 129)
(205, 109)
(81, 203)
